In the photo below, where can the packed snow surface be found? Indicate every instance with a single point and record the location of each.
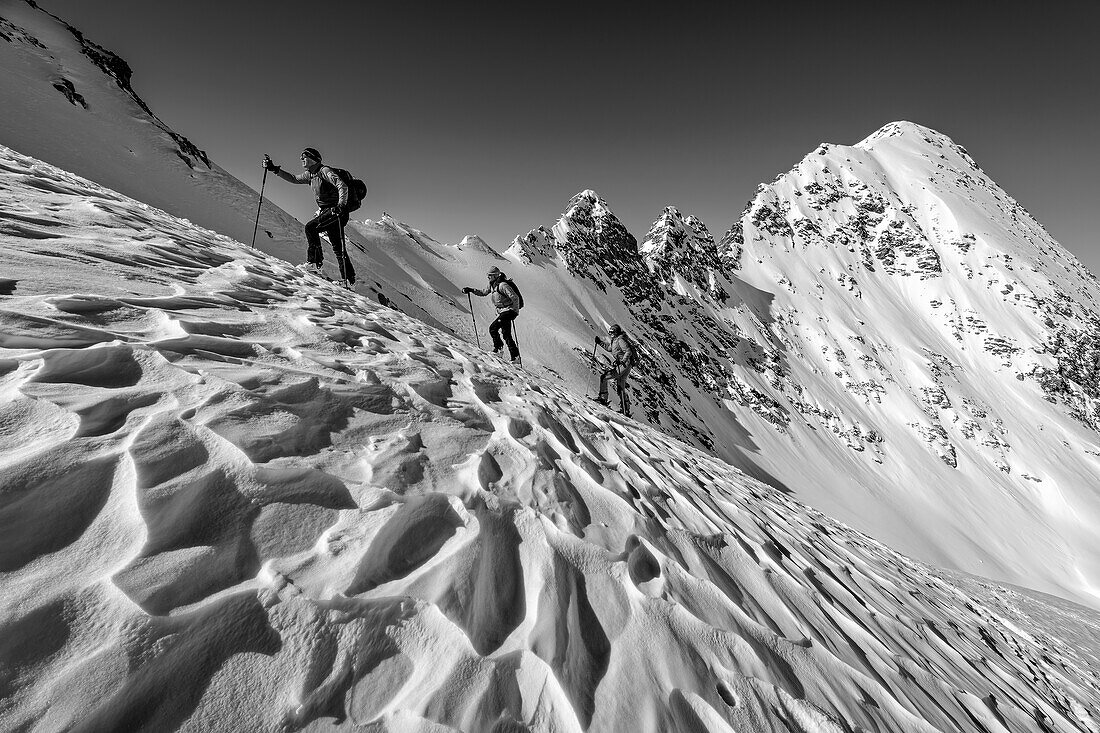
(235, 497)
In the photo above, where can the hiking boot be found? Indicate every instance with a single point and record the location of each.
(516, 359)
(600, 401)
(497, 350)
(311, 267)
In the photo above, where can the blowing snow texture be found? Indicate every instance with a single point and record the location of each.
(234, 497)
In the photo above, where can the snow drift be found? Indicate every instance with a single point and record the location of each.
(234, 497)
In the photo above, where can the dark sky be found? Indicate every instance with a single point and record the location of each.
(487, 117)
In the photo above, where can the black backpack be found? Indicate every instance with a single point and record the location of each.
(357, 190)
(515, 287)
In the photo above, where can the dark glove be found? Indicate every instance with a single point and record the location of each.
(337, 209)
(269, 164)
(467, 290)
(598, 342)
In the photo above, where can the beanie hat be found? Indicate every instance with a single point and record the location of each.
(312, 153)
(614, 329)
(494, 272)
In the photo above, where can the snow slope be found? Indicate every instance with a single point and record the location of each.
(883, 333)
(68, 101)
(235, 497)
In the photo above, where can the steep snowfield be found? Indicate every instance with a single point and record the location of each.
(234, 497)
(919, 312)
(68, 101)
(884, 333)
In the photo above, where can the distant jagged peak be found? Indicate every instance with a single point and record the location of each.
(534, 247)
(594, 244)
(670, 220)
(676, 231)
(696, 225)
(587, 199)
(679, 245)
(587, 209)
(476, 243)
(392, 226)
(589, 223)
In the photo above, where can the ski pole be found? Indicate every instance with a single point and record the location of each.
(470, 299)
(256, 227)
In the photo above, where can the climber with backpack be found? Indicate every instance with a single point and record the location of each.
(507, 300)
(622, 361)
(337, 195)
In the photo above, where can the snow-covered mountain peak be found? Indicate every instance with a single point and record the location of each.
(589, 200)
(905, 130)
(476, 243)
(536, 247)
(680, 246)
(911, 296)
(590, 235)
(586, 231)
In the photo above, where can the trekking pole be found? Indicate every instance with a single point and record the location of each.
(515, 335)
(471, 301)
(341, 254)
(256, 227)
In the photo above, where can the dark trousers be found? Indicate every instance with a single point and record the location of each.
(326, 222)
(616, 373)
(503, 323)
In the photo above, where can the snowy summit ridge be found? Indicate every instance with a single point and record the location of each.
(71, 102)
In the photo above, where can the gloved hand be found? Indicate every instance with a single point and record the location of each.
(467, 290)
(269, 164)
(598, 342)
(336, 210)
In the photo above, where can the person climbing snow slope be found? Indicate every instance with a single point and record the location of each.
(622, 361)
(331, 194)
(507, 301)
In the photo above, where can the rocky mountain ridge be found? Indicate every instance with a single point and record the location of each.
(877, 300)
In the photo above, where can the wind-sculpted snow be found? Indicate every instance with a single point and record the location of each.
(234, 497)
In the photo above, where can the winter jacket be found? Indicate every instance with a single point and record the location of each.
(505, 297)
(328, 188)
(622, 351)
